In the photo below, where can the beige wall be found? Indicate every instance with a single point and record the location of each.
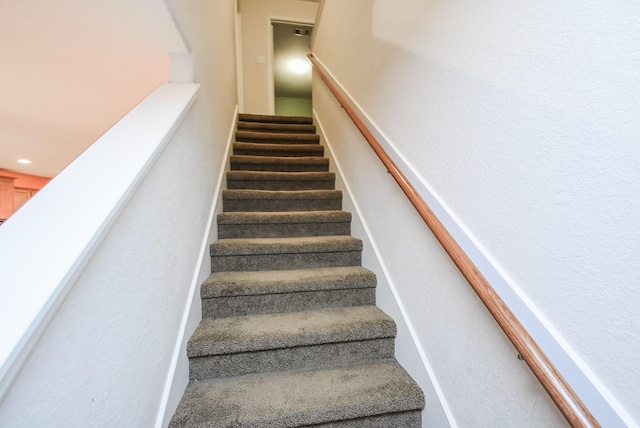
(256, 40)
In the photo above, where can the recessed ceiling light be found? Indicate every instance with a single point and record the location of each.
(25, 161)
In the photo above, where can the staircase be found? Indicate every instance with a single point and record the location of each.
(290, 334)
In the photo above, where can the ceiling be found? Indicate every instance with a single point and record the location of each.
(291, 43)
(71, 69)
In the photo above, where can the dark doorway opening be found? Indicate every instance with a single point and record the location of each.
(291, 68)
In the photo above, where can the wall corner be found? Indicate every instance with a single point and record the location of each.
(181, 67)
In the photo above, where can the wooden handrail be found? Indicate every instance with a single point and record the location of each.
(560, 392)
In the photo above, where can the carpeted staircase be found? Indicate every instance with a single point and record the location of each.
(290, 334)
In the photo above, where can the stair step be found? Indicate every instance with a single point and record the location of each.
(279, 163)
(287, 330)
(276, 127)
(283, 224)
(264, 149)
(227, 294)
(242, 345)
(275, 180)
(284, 253)
(271, 201)
(245, 117)
(276, 138)
(381, 391)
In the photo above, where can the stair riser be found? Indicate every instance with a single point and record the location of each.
(275, 205)
(328, 184)
(285, 150)
(275, 127)
(222, 307)
(246, 117)
(279, 142)
(280, 166)
(259, 137)
(296, 358)
(282, 230)
(411, 419)
(260, 262)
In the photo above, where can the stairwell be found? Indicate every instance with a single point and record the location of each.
(290, 334)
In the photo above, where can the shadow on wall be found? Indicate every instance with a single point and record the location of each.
(291, 106)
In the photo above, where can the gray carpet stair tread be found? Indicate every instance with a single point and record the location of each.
(281, 194)
(273, 144)
(268, 149)
(246, 117)
(225, 284)
(279, 176)
(239, 200)
(289, 217)
(251, 136)
(279, 160)
(305, 244)
(277, 180)
(302, 398)
(276, 127)
(286, 330)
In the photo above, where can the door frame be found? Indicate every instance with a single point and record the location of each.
(271, 98)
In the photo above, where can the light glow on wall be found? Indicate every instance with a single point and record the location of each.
(299, 66)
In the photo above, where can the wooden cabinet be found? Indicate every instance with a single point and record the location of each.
(12, 197)
(20, 196)
(7, 190)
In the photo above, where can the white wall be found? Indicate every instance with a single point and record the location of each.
(257, 42)
(521, 123)
(446, 339)
(108, 354)
(210, 30)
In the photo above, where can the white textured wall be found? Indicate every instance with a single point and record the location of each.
(473, 366)
(102, 359)
(105, 356)
(523, 121)
(256, 42)
(210, 28)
